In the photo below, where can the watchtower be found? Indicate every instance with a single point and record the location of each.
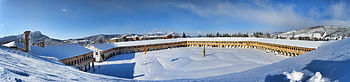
(26, 41)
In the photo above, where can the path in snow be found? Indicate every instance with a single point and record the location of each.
(185, 63)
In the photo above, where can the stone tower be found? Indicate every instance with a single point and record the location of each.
(26, 41)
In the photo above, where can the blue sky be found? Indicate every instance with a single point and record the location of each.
(64, 19)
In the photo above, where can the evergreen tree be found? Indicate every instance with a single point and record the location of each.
(183, 35)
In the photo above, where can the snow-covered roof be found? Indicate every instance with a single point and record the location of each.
(114, 38)
(10, 44)
(60, 51)
(14, 44)
(298, 43)
(106, 46)
(129, 37)
(150, 36)
(154, 36)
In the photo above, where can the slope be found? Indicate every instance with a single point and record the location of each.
(20, 66)
(332, 60)
(330, 31)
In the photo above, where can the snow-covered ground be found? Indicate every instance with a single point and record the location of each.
(17, 66)
(185, 63)
(331, 62)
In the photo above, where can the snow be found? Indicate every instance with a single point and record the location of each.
(331, 60)
(114, 38)
(185, 63)
(60, 51)
(317, 78)
(325, 32)
(106, 46)
(294, 76)
(10, 44)
(17, 66)
(299, 43)
(14, 44)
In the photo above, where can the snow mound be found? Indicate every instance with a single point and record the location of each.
(20, 66)
(294, 76)
(317, 78)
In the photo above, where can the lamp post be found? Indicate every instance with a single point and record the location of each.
(204, 51)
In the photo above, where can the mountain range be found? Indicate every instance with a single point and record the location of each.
(38, 37)
(326, 32)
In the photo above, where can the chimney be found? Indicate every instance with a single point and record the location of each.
(26, 40)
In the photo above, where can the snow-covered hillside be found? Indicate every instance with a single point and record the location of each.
(36, 37)
(331, 60)
(16, 66)
(324, 32)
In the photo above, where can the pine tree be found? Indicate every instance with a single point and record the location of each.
(217, 34)
(183, 35)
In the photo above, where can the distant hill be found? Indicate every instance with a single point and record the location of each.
(325, 32)
(37, 37)
(91, 39)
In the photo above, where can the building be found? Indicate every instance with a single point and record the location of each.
(278, 46)
(116, 40)
(150, 37)
(69, 54)
(21, 43)
(171, 35)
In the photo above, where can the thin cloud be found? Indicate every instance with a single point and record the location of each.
(339, 13)
(64, 10)
(277, 15)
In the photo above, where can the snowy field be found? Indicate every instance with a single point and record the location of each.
(185, 63)
(17, 66)
(328, 63)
